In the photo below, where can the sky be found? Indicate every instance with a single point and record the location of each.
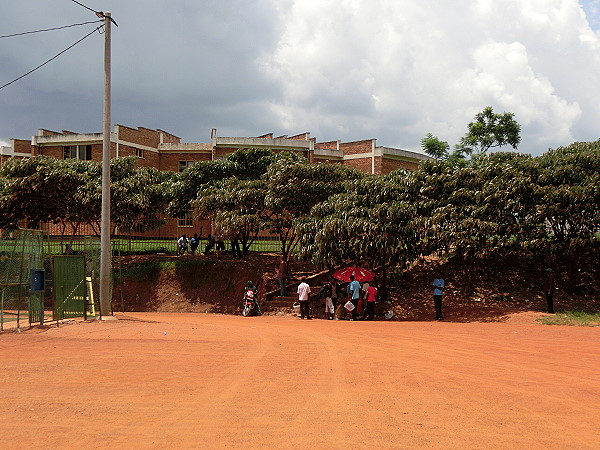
(393, 70)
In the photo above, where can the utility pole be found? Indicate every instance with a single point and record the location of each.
(105, 252)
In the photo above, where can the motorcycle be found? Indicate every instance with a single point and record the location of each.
(250, 307)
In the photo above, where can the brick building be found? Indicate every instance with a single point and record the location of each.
(165, 151)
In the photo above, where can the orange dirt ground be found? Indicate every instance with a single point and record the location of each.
(215, 381)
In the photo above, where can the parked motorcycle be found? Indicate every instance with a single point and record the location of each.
(250, 306)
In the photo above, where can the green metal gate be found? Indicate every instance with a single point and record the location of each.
(70, 293)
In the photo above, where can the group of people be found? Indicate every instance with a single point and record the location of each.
(359, 301)
(213, 243)
(183, 242)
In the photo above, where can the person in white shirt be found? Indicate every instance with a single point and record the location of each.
(303, 293)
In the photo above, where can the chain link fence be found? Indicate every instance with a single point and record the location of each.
(21, 253)
(42, 278)
(67, 268)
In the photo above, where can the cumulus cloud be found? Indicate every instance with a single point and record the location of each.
(399, 69)
(394, 70)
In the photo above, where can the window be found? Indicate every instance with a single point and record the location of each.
(186, 220)
(139, 152)
(185, 164)
(83, 152)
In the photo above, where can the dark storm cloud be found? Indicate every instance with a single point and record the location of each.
(175, 65)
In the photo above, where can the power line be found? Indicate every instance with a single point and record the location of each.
(53, 58)
(100, 14)
(87, 7)
(49, 29)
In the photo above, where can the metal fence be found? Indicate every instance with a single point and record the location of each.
(66, 270)
(124, 244)
(41, 281)
(21, 255)
(150, 236)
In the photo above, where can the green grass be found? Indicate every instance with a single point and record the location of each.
(573, 318)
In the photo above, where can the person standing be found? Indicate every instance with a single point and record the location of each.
(382, 292)
(438, 291)
(364, 289)
(194, 241)
(334, 293)
(325, 294)
(303, 293)
(219, 245)
(549, 290)
(282, 276)
(362, 301)
(210, 244)
(371, 296)
(340, 310)
(235, 246)
(354, 294)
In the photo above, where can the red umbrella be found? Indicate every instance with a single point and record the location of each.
(359, 273)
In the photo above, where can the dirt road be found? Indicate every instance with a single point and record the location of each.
(216, 381)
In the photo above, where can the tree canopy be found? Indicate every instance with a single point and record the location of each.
(69, 192)
(498, 204)
(487, 130)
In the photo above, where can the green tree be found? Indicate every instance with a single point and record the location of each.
(189, 184)
(294, 186)
(139, 195)
(244, 164)
(435, 147)
(69, 192)
(481, 211)
(43, 189)
(371, 223)
(489, 130)
(237, 208)
(569, 208)
(229, 192)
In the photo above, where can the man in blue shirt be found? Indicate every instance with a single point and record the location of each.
(438, 291)
(354, 293)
